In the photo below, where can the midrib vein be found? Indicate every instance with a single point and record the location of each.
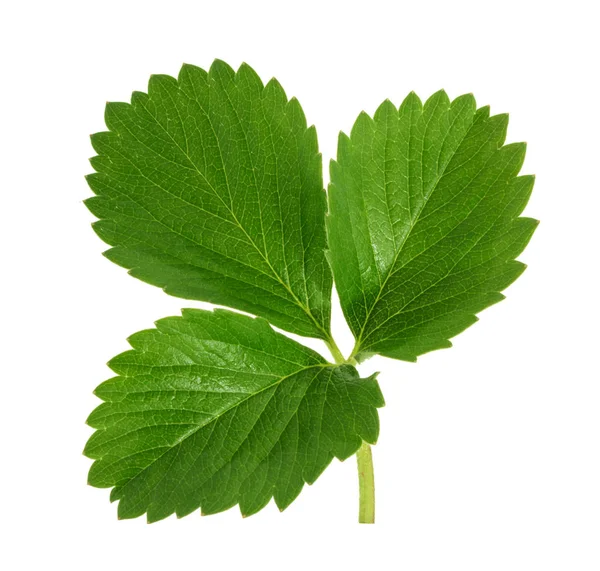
(180, 440)
(229, 208)
(414, 222)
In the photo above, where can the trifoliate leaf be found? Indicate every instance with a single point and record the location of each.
(214, 409)
(424, 223)
(210, 186)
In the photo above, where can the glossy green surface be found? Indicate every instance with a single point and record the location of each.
(214, 409)
(210, 186)
(424, 222)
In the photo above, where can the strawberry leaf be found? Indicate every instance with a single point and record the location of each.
(214, 409)
(210, 187)
(424, 223)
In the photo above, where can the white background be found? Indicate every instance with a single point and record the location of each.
(489, 456)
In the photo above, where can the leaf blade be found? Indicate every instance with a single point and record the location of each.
(210, 187)
(418, 195)
(215, 408)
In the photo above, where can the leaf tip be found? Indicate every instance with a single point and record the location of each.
(363, 121)
(218, 66)
(386, 108)
(412, 102)
(245, 68)
(275, 88)
(188, 67)
(343, 139)
(247, 73)
(439, 95)
(502, 118)
(412, 96)
(190, 72)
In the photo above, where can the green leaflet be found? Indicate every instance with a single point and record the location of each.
(210, 187)
(213, 409)
(424, 223)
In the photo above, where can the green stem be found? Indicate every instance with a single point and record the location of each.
(364, 457)
(366, 485)
(335, 351)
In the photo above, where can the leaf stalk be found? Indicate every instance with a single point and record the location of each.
(335, 351)
(366, 484)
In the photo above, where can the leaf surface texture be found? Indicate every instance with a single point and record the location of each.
(214, 409)
(210, 187)
(424, 223)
